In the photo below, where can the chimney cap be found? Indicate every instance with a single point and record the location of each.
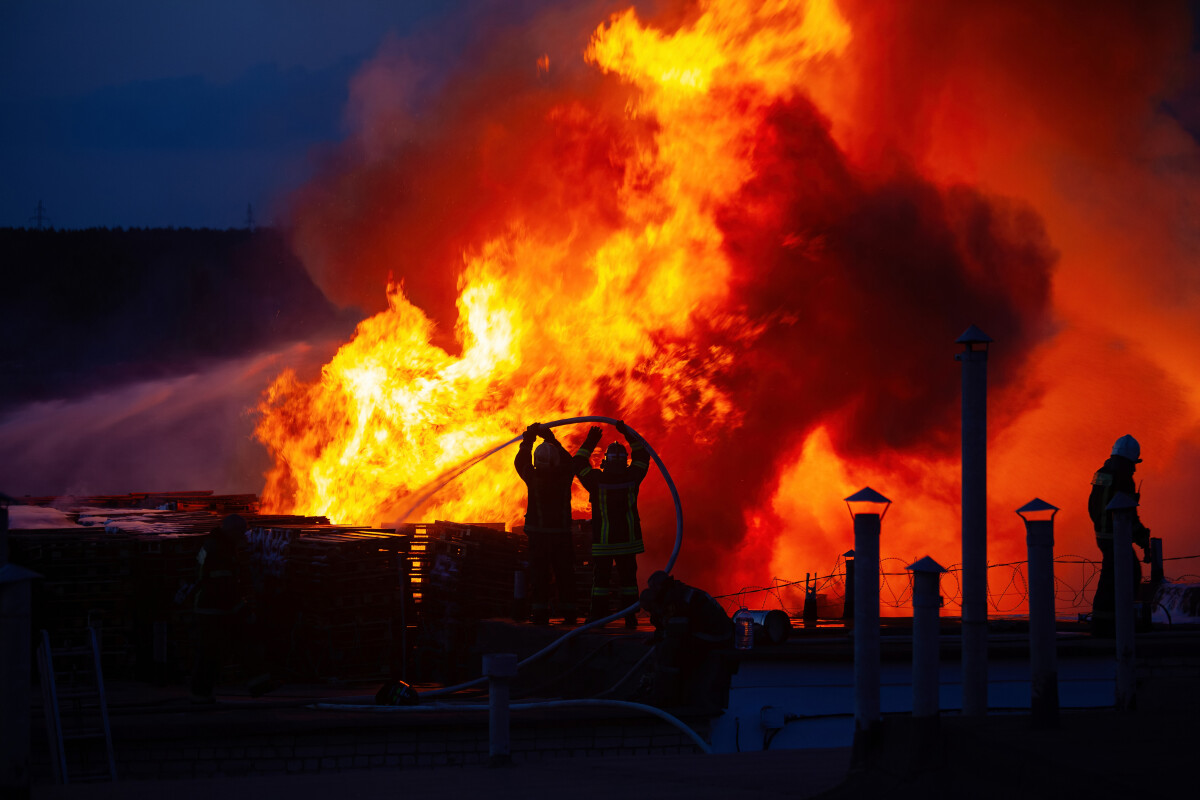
(973, 335)
(867, 495)
(1036, 504)
(926, 564)
(1121, 502)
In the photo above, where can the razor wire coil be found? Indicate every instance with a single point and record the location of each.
(1008, 588)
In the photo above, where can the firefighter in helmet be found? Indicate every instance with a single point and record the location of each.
(690, 626)
(548, 475)
(616, 527)
(219, 602)
(1115, 476)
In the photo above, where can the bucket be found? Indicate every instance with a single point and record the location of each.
(771, 627)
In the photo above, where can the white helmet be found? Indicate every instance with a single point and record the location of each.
(1128, 447)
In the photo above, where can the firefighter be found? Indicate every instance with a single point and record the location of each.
(548, 475)
(218, 603)
(616, 527)
(1115, 476)
(690, 626)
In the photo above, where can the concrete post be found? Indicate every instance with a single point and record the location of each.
(848, 602)
(867, 716)
(500, 669)
(1155, 557)
(1122, 506)
(15, 679)
(1043, 634)
(974, 520)
(927, 604)
(810, 601)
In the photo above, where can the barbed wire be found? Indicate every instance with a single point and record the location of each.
(895, 588)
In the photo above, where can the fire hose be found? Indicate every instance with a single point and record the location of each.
(433, 487)
(436, 485)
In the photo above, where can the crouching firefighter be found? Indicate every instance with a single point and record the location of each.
(616, 527)
(548, 476)
(690, 627)
(1115, 476)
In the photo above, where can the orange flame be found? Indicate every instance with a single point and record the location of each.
(749, 229)
(392, 410)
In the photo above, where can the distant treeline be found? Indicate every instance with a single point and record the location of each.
(81, 309)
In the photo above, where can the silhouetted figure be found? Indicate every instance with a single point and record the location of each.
(689, 628)
(616, 527)
(219, 601)
(1115, 476)
(548, 475)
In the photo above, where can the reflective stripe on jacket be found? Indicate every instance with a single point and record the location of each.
(616, 526)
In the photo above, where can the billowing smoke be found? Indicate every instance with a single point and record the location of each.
(997, 164)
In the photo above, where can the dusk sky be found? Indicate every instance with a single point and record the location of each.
(148, 113)
(142, 113)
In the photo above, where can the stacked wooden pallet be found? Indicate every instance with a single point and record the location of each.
(346, 591)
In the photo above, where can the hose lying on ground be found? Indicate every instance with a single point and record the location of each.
(658, 712)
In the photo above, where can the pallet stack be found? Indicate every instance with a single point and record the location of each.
(461, 573)
(324, 602)
(87, 580)
(346, 591)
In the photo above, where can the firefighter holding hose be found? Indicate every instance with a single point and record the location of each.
(616, 527)
(548, 475)
(1115, 476)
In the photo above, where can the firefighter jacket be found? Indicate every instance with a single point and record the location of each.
(706, 618)
(616, 527)
(549, 506)
(1115, 476)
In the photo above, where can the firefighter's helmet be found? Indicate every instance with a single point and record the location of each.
(545, 456)
(1128, 447)
(615, 455)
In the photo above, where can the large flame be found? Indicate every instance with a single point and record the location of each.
(720, 226)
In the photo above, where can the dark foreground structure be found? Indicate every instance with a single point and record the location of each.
(352, 621)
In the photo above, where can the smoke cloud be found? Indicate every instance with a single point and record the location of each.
(1008, 165)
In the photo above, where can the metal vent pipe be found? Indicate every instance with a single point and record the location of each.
(1038, 516)
(974, 359)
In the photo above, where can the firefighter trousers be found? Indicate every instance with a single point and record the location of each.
(627, 594)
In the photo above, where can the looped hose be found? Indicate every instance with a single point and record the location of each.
(435, 485)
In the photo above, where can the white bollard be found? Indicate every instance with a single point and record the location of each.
(500, 669)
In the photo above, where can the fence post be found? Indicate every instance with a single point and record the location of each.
(500, 669)
(1038, 516)
(848, 589)
(16, 608)
(1122, 506)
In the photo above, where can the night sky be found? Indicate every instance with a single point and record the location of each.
(140, 113)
